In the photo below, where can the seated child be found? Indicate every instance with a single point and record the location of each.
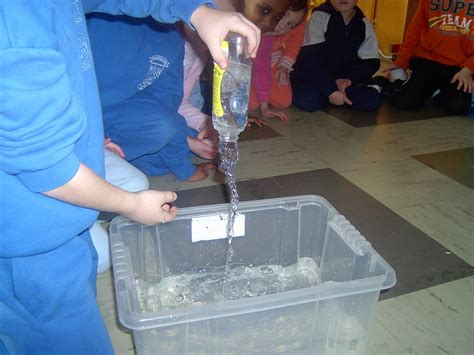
(265, 15)
(439, 50)
(203, 138)
(338, 58)
(52, 167)
(139, 66)
(278, 50)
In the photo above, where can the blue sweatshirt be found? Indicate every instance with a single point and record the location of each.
(334, 50)
(135, 54)
(50, 118)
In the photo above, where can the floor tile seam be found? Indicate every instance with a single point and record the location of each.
(375, 163)
(394, 209)
(444, 176)
(382, 147)
(433, 205)
(363, 132)
(444, 151)
(342, 173)
(395, 206)
(468, 259)
(437, 176)
(413, 293)
(378, 150)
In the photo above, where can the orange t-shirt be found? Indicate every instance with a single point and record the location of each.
(441, 31)
(285, 49)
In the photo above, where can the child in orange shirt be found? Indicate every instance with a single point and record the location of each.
(287, 41)
(439, 51)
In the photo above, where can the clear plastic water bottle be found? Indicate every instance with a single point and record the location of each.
(231, 89)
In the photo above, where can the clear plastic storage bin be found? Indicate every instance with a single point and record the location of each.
(330, 315)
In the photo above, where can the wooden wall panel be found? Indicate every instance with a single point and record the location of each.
(390, 21)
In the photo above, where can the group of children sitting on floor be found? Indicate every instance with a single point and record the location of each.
(327, 57)
(145, 67)
(147, 73)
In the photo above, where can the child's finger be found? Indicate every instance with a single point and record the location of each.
(252, 33)
(169, 196)
(247, 29)
(218, 56)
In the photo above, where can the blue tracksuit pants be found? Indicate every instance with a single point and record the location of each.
(311, 97)
(49, 302)
(156, 141)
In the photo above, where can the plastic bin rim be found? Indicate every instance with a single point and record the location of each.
(244, 206)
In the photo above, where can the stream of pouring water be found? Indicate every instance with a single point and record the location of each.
(228, 157)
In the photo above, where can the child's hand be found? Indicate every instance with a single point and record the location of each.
(202, 171)
(213, 25)
(394, 72)
(152, 207)
(464, 77)
(282, 75)
(108, 144)
(259, 122)
(208, 133)
(343, 84)
(269, 113)
(339, 98)
(202, 147)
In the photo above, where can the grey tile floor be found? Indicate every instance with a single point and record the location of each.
(434, 317)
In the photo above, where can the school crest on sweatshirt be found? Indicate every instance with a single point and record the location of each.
(157, 64)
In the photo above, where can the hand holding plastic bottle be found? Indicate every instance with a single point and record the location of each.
(213, 26)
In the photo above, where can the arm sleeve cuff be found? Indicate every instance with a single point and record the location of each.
(52, 177)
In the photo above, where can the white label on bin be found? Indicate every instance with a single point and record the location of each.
(215, 227)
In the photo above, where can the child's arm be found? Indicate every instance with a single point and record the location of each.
(369, 60)
(291, 43)
(313, 55)
(193, 67)
(86, 189)
(212, 25)
(262, 79)
(412, 36)
(262, 71)
(37, 146)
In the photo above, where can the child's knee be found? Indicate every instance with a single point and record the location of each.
(457, 104)
(281, 102)
(307, 103)
(371, 102)
(140, 182)
(406, 102)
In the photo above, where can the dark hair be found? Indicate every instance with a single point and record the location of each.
(298, 5)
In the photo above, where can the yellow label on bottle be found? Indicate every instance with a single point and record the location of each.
(216, 86)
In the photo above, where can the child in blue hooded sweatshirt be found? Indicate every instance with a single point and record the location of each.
(52, 167)
(337, 60)
(139, 67)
